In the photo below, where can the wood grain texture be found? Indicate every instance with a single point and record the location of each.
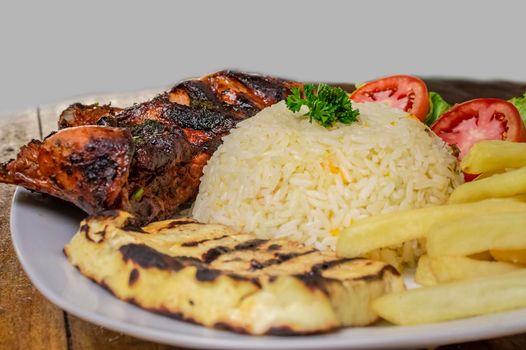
(515, 342)
(86, 336)
(27, 320)
(17, 130)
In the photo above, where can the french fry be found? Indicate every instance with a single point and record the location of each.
(478, 233)
(493, 156)
(513, 256)
(507, 184)
(486, 175)
(454, 300)
(432, 271)
(481, 256)
(423, 274)
(520, 197)
(396, 228)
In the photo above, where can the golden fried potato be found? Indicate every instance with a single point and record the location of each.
(423, 274)
(513, 256)
(454, 300)
(478, 233)
(396, 228)
(507, 184)
(481, 256)
(457, 268)
(520, 197)
(486, 175)
(494, 156)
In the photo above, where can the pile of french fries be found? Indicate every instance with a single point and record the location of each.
(476, 244)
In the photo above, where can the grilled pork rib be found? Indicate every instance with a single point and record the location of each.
(146, 159)
(211, 275)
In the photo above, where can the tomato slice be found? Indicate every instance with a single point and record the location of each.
(400, 91)
(481, 119)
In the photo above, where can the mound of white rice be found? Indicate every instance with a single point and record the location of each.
(278, 175)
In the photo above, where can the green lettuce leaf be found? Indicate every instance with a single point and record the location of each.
(437, 107)
(520, 103)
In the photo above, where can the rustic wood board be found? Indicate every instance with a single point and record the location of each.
(87, 336)
(28, 321)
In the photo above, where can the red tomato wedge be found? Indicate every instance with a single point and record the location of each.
(481, 119)
(400, 91)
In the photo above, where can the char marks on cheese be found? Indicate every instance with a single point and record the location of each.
(221, 278)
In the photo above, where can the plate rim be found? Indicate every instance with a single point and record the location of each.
(419, 336)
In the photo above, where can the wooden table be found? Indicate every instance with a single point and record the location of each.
(29, 321)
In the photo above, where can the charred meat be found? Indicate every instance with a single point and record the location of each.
(78, 114)
(146, 159)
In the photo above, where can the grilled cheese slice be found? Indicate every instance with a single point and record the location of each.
(213, 276)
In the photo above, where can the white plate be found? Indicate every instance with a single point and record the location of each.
(41, 226)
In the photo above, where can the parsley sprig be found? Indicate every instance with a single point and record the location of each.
(327, 105)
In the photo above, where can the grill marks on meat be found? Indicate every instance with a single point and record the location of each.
(235, 85)
(161, 145)
(78, 114)
(248, 94)
(88, 166)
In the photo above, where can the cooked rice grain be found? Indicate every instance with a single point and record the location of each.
(278, 175)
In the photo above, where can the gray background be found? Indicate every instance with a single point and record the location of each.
(52, 50)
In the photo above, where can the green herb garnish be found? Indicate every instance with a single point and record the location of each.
(327, 105)
(202, 104)
(147, 131)
(137, 195)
